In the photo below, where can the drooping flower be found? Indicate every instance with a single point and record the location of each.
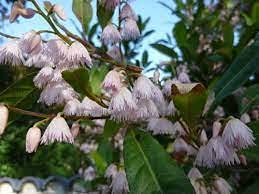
(56, 50)
(72, 107)
(19, 9)
(114, 52)
(33, 139)
(245, 118)
(57, 93)
(39, 60)
(197, 181)
(122, 104)
(111, 171)
(4, 114)
(216, 152)
(237, 134)
(91, 108)
(128, 12)
(30, 41)
(57, 130)
(59, 10)
(222, 186)
(130, 30)
(180, 146)
(110, 35)
(112, 82)
(216, 128)
(119, 183)
(89, 174)
(156, 76)
(167, 89)
(77, 54)
(43, 77)
(179, 129)
(161, 126)
(145, 89)
(111, 4)
(11, 53)
(146, 109)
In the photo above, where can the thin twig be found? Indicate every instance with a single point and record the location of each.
(8, 36)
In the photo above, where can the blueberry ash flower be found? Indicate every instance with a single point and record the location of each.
(197, 181)
(112, 82)
(4, 114)
(72, 107)
(237, 134)
(110, 35)
(161, 126)
(130, 30)
(221, 186)
(128, 12)
(111, 4)
(30, 41)
(57, 130)
(43, 77)
(119, 183)
(33, 139)
(59, 10)
(18, 9)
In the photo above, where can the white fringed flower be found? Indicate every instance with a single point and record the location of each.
(111, 171)
(59, 10)
(237, 134)
(33, 139)
(30, 41)
(130, 30)
(122, 101)
(146, 109)
(119, 183)
(89, 174)
(179, 129)
(77, 54)
(114, 52)
(167, 89)
(222, 186)
(57, 93)
(216, 152)
(112, 82)
(39, 60)
(184, 78)
(43, 77)
(161, 126)
(216, 128)
(145, 89)
(91, 108)
(197, 181)
(128, 12)
(245, 118)
(56, 50)
(18, 9)
(111, 4)
(4, 114)
(110, 35)
(11, 53)
(72, 107)
(57, 130)
(180, 146)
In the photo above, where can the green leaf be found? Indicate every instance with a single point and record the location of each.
(149, 169)
(83, 11)
(190, 104)
(165, 50)
(99, 162)
(96, 76)
(105, 149)
(252, 153)
(78, 79)
(21, 94)
(180, 34)
(228, 35)
(104, 15)
(249, 98)
(238, 73)
(111, 128)
(255, 13)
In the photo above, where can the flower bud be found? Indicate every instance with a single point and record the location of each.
(75, 129)
(203, 137)
(4, 113)
(59, 10)
(245, 118)
(242, 159)
(216, 128)
(32, 139)
(180, 146)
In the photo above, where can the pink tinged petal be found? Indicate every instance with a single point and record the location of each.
(91, 108)
(27, 13)
(238, 135)
(43, 77)
(114, 52)
(58, 131)
(130, 30)
(128, 12)
(180, 146)
(146, 110)
(119, 183)
(72, 107)
(110, 35)
(112, 82)
(15, 12)
(75, 129)
(59, 10)
(33, 139)
(111, 4)
(161, 126)
(222, 186)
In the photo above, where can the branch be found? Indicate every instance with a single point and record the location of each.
(8, 36)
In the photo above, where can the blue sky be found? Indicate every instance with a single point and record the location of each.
(161, 21)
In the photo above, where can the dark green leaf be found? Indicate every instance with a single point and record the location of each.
(111, 128)
(228, 35)
(180, 34)
(83, 11)
(99, 162)
(249, 98)
(238, 73)
(150, 170)
(96, 76)
(165, 50)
